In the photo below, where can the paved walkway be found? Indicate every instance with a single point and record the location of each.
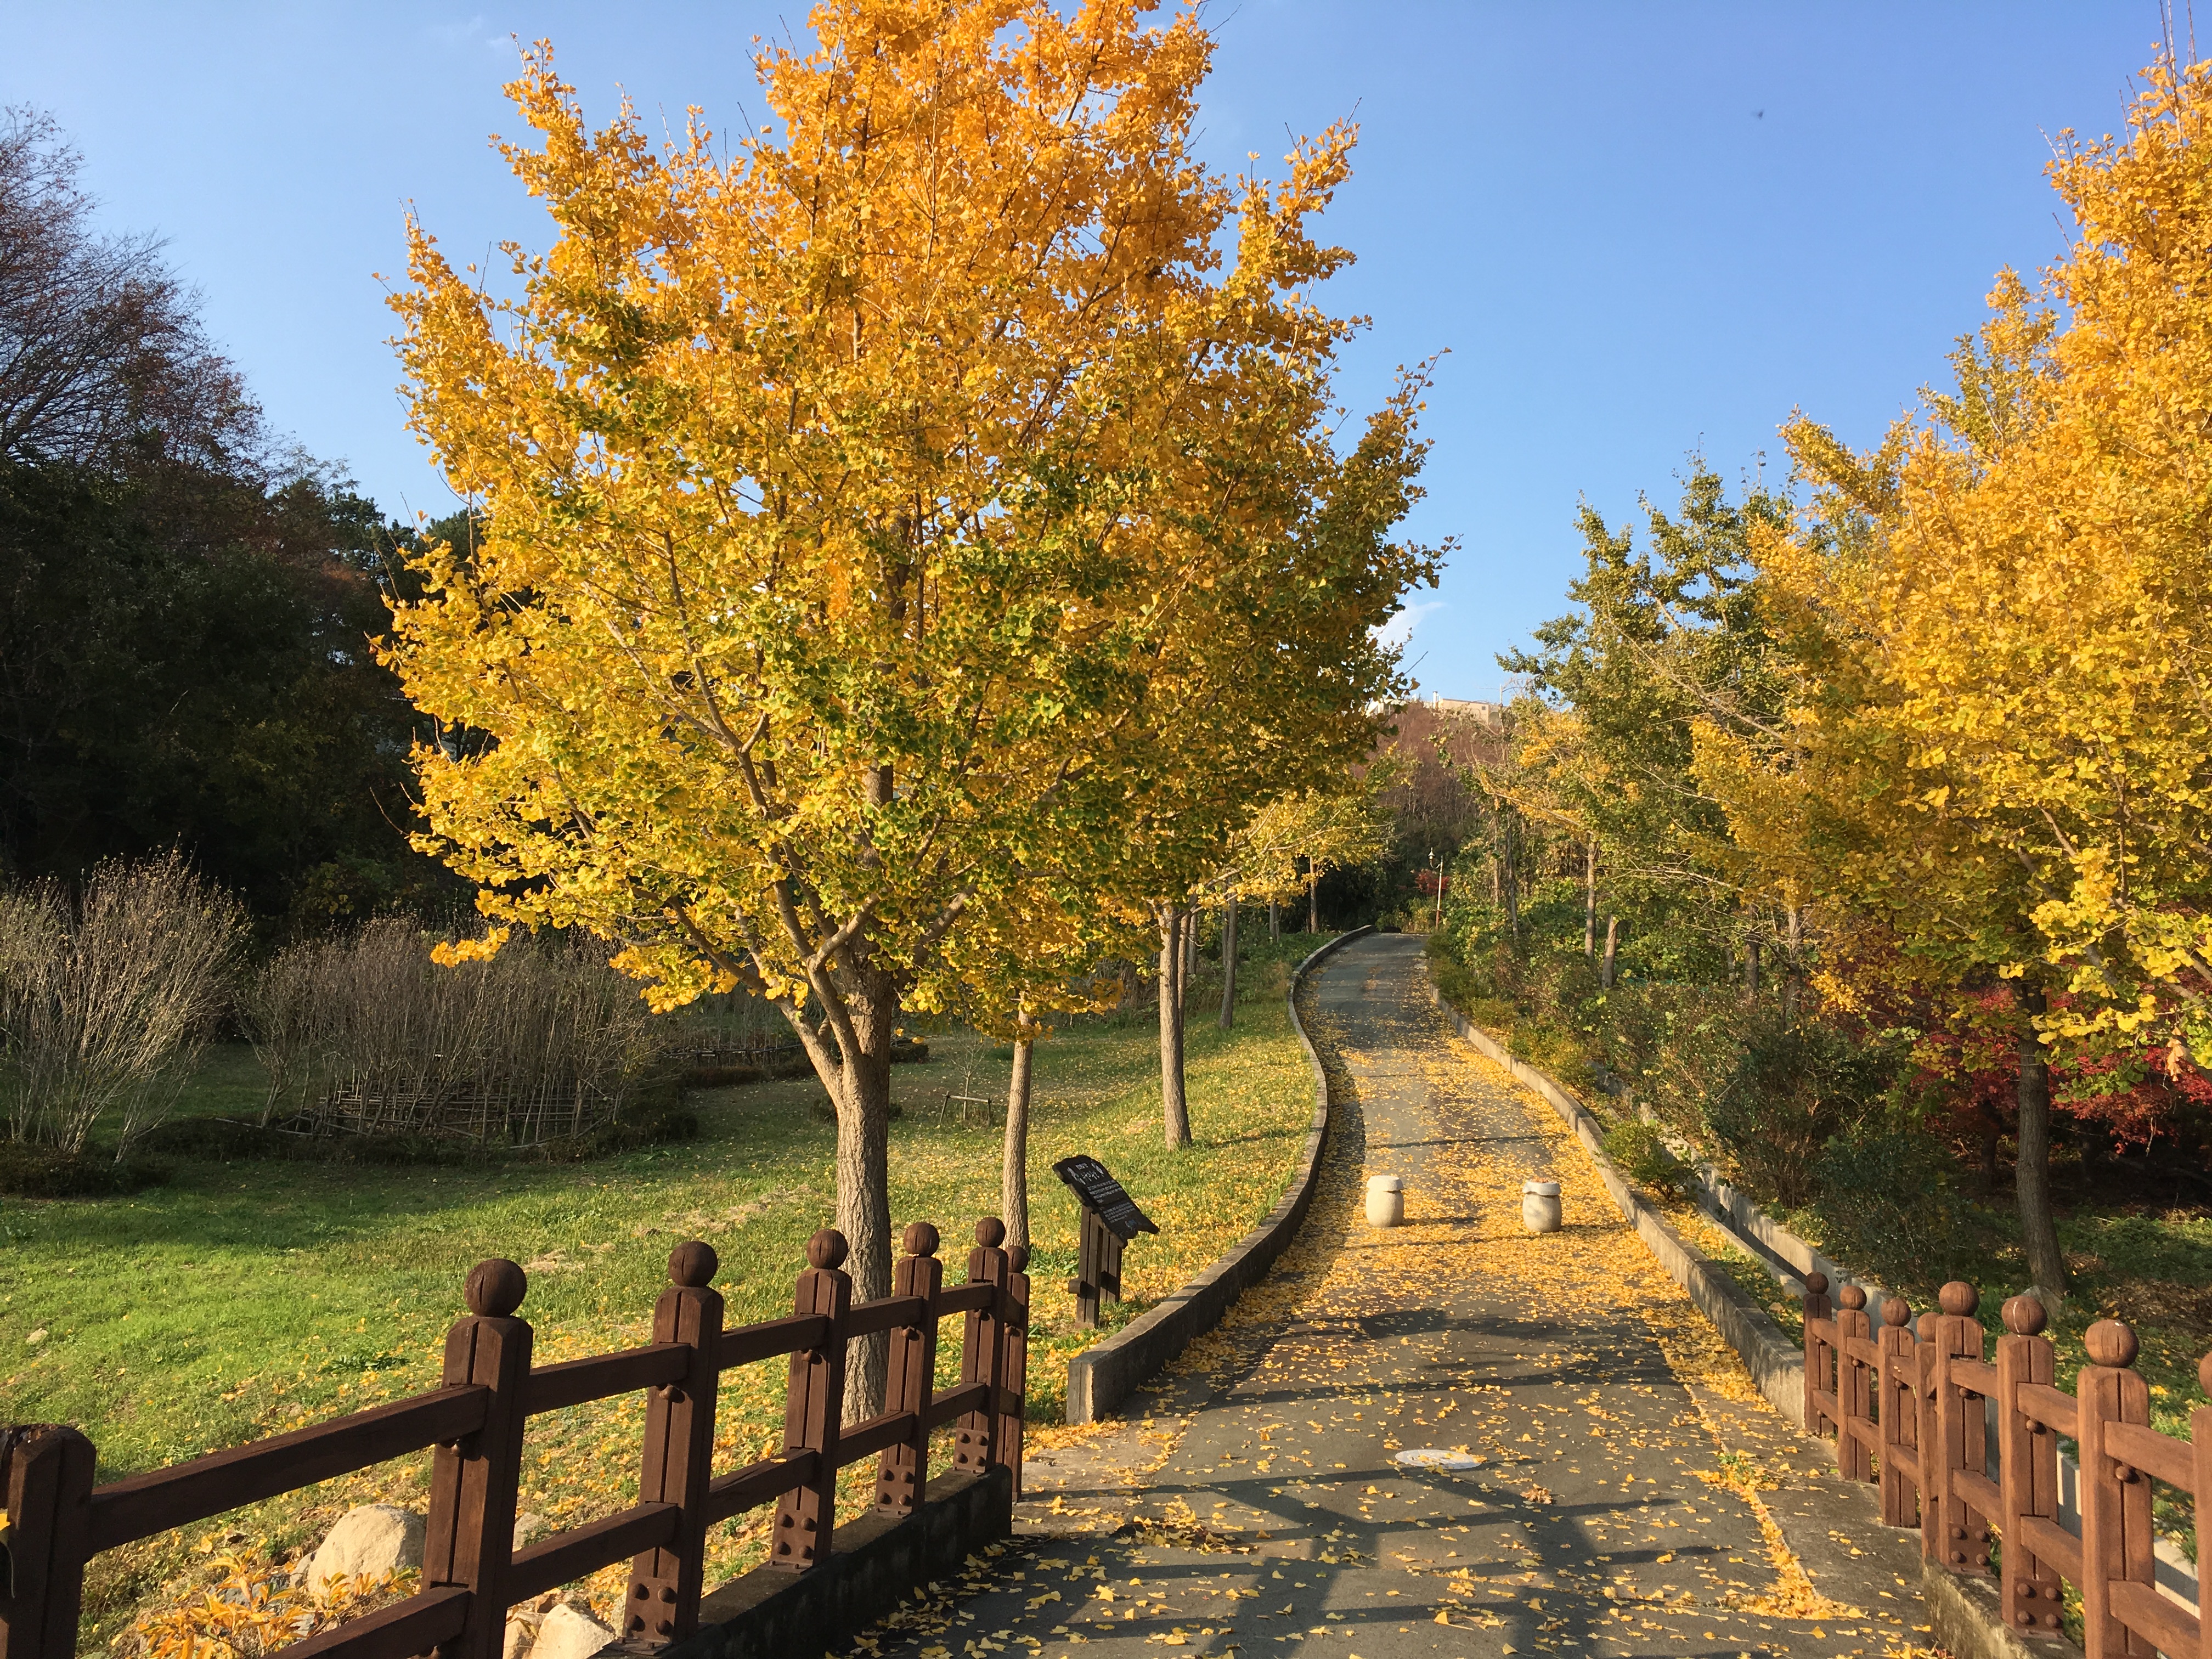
(1622, 1488)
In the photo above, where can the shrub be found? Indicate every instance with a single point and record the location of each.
(29, 1171)
(1643, 1155)
(107, 997)
(543, 1042)
(1796, 1086)
(1883, 1201)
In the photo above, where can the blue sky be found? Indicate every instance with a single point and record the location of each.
(1638, 229)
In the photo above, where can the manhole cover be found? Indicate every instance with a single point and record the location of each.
(1428, 1457)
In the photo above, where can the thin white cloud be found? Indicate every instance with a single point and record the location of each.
(1399, 630)
(475, 32)
(457, 34)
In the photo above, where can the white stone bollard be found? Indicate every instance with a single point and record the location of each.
(1540, 1206)
(1386, 1200)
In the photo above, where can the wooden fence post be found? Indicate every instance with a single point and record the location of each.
(902, 1476)
(1961, 1432)
(2200, 1439)
(1930, 1431)
(813, 1411)
(1854, 1394)
(469, 1540)
(1014, 1367)
(982, 1352)
(2116, 1534)
(2027, 1467)
(1900, 1385)
(1817, 1366)
(46, 1473)
(666, 1582)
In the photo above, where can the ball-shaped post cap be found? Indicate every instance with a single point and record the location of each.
(1816, 1284)
(1895, 1313)
(827, 1249)
(1852, 1296)
(495, 1288)
(990, 1233)
(920, 1239)
(2026, 1315)
(2204, 1373)
(1924, 1328)
(2111, 1342)
(1018, 1258)
(1958, 1298)
(693, 1265)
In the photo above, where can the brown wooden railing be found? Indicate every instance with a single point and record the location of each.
(1908, 1410)
(58, 1520)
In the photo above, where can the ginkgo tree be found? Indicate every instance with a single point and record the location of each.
(885, 509)
(2000, 746)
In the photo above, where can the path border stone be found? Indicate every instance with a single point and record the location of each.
(1105, 1374)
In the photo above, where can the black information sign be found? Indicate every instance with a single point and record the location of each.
(1110, 1220)
(1103, 1196)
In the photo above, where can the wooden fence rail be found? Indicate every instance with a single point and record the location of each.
(1908, 1411)
(57, 1519)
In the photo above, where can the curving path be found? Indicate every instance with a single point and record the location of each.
(1620, 1488)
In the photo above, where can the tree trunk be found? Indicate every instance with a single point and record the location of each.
(1229, 963)
(1014, 1165)
(1175, 1108)
(1313, 898)
(1793, 972)
(2039, 1228)
(861, 1086)
(1274, 922)
(1751, 968)
(1612, 942)
(1512, 880)
(1589, 902)
(1189, 971)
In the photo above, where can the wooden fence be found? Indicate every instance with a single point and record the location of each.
(57, 1519)
(1905, 1406)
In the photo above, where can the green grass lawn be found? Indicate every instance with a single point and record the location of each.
(244, 1298)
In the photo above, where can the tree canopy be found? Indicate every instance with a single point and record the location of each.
(187, 604)
(936, 496)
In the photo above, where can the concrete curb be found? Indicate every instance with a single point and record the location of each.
(1775, 1364)
(1104, 1375)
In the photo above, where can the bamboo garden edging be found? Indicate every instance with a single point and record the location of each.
(1105, 1374)
(57, 1519)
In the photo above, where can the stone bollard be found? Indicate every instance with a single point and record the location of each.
(1386, 1200)
(1540, 1206)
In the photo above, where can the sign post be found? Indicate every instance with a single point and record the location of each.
(1110, 1220)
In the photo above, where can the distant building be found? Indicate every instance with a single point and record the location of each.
(1492, 714)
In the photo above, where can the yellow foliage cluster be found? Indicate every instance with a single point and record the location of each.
(249, 1608)
(1321, 829)
(2000, 746)
(912, 535)
(914, 504)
